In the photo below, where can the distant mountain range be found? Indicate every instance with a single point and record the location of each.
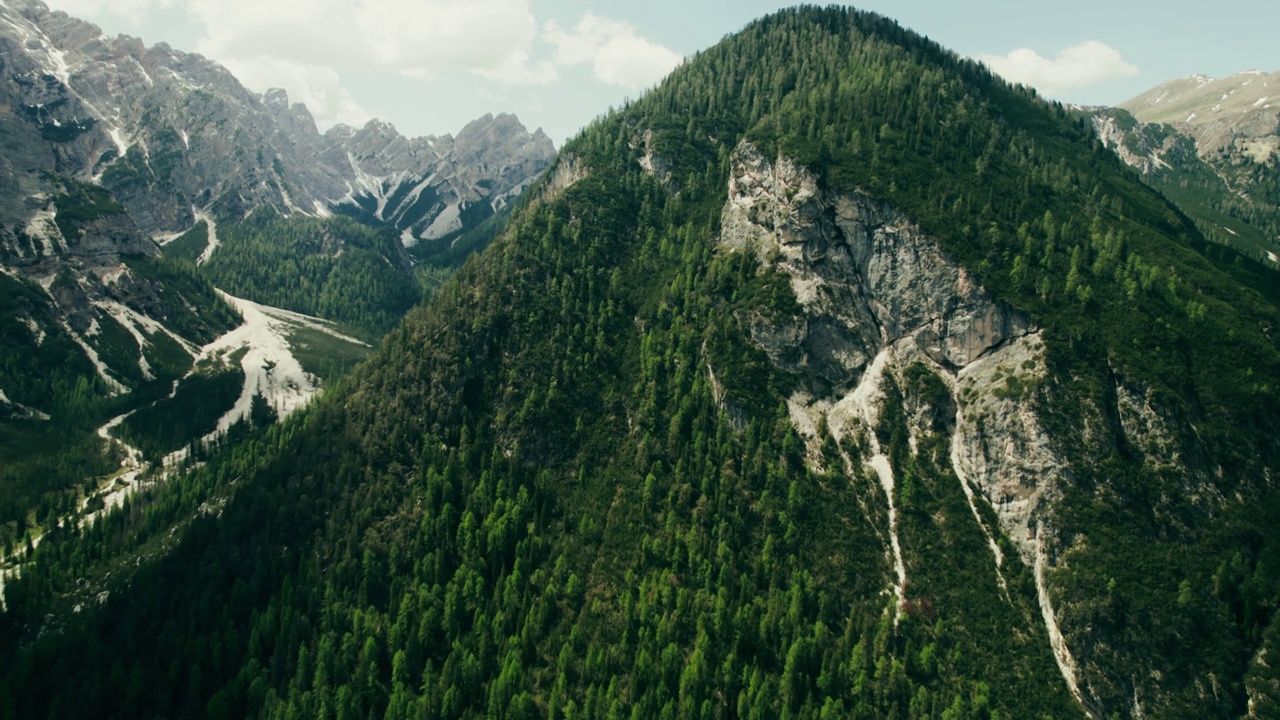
(172, 133)
(1213, 146)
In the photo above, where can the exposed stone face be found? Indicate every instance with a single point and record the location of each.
(1001, 445)
(879, 297)
(864, 274)
(568, 170)
(653, 162)
(868, 279)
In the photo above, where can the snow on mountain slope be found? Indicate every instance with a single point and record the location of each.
(166, 130)
(1241, 111)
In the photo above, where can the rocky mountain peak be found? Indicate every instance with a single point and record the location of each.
(168, 131)
(1241, 111)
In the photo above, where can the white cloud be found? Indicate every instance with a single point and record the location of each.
(314, 48)
(134, 10)
(301, 44)
(319, 88)
(407, 36)
(617, 54)
(1079, 66)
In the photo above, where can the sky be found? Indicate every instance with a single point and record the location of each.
(430, 66)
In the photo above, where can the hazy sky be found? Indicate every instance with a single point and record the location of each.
(429, 66)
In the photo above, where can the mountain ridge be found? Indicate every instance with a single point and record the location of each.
(156, 102)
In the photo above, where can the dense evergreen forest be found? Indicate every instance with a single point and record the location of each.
(335, 268)
(534, 502)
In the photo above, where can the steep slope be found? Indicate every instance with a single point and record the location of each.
(97, 324)
(431, 189)
(834, 377)
(1236, 114)
(1211, 145)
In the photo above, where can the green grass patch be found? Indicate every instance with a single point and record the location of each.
(323, 355)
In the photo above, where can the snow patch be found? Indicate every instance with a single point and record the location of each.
(321, 210)
(1273, 257)
(407, 238)
(1260, 101)
(448, 221)
(42, 227)
(213, 237)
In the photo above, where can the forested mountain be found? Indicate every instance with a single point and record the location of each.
(1212, 146)
(834, 377)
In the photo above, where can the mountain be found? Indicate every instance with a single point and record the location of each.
(1237, 114)
(173, 134)
(180, 144)
(133, 182)
(432, 189)
(1211, 145)
(834, 377)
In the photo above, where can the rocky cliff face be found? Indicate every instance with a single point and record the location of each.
(1142, 147)
(881, 304)
(879, 296)
(430, 188)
